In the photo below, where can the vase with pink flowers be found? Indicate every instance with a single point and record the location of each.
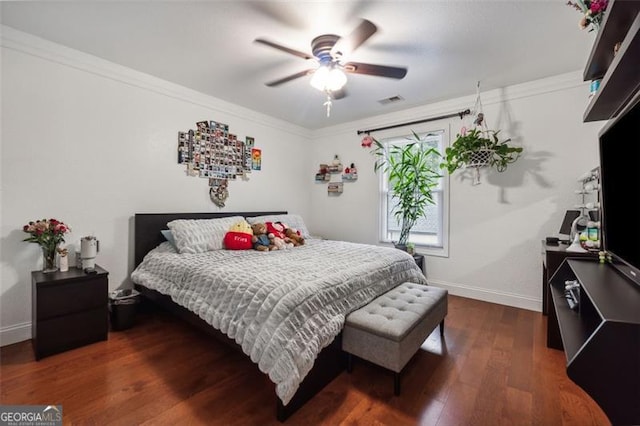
(49, 234)
(592, 11)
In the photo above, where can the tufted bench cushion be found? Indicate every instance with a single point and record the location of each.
(390, 329)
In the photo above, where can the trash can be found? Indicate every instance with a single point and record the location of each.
(122, 308)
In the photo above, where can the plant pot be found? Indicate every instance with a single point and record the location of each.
(480, 158)
(402, 247)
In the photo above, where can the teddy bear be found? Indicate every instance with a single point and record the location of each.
(293, 236)
(281, 244)
(275, 228)
(261, 240)
(280, 240)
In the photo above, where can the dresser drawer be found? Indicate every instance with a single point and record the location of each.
(68, 297)
(59, 334)
(69, 309)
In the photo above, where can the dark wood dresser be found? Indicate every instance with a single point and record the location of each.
(69, 310)
(601, 337)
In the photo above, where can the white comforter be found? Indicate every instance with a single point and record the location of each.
(282, 307)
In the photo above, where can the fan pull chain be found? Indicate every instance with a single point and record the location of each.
(328, 104)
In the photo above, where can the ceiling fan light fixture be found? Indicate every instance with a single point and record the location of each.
(328, 79)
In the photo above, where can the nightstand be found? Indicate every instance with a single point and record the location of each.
(69, 309)
(419, 258)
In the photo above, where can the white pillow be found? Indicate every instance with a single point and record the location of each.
(291, 220)
(200, 235)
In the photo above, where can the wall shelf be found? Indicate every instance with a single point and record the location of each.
(620, 74)
(621, 14)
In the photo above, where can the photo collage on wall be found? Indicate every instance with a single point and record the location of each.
(211, 152)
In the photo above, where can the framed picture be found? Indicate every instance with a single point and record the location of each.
(202, 125)
(256, 159)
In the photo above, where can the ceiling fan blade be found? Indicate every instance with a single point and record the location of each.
(377, 70)
(283, 48)
(345, 45)
(289, 78)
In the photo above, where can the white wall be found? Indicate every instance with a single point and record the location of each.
(495, 227)
(92, 143)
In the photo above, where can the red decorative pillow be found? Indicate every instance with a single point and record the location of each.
(237, 241)
(239, 237)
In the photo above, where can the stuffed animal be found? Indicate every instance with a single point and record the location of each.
(261, 240)
(275, 228)
(281, 244)
(294, 236)
(239, 236)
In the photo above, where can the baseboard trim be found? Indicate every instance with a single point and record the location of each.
(15, 333)
(493, 296)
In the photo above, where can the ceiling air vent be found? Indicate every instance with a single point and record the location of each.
(391, 100)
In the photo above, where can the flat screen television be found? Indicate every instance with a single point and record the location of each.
(619, 144)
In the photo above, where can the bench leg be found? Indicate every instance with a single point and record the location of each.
(442, 328)
(396, 383)
(349, 363)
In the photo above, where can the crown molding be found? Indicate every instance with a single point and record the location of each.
(11, 38)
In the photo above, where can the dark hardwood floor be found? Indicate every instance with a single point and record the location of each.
(492, 368)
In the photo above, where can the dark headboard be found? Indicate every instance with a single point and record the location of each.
(147, 227)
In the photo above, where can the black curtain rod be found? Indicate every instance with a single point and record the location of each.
(454, 114)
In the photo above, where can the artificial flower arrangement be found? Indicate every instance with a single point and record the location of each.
(49, 234)
(593, 11)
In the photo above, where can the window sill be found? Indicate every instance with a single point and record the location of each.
(425, 250)
(432, 251)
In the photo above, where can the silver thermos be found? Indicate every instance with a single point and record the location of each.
(89, 247)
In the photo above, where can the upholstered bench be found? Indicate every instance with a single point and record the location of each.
(390, 329)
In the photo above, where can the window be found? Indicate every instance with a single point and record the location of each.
(430, 232)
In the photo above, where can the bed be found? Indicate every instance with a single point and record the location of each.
(283, 309)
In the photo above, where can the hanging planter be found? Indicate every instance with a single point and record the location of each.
(479, 147)
(480, 158)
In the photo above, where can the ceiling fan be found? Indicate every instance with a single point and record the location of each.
(328, 51)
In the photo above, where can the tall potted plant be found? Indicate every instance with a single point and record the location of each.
(412, 177)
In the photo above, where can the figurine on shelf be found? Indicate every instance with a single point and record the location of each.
(336, 165)
(602, 256)
(350, 173)
(323, 173)
(334, 188)
(63, 259)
